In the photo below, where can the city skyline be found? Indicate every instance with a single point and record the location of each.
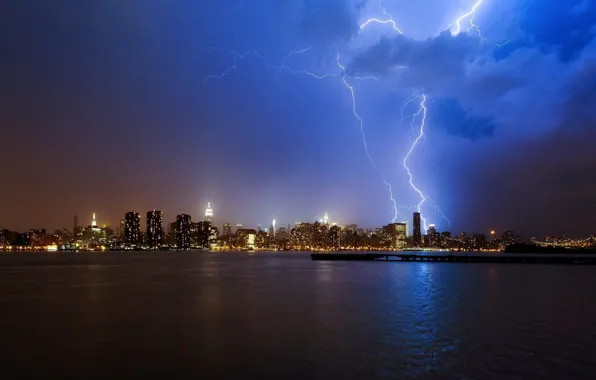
(482, 108)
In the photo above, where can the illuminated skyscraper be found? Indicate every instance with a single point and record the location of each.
(272, 228)
(397, 234)
(227, 229)
(132, 228)
(93, 222)
(417, 230)
(154, 229)
(183, 223)
(326, 219)
(209, 213)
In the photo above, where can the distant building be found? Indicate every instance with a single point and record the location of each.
(227, 229)
(417, 232)
(121, 229)
(246, 238)
(183, 224)
(154, 229)
(239, 227)
(132, 228)
(203, 234)
(434, 238)
(209, 213)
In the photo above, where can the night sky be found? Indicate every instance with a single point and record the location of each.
(104, 108)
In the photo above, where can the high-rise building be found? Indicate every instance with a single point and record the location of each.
(183, 223)
(417, 233)
(121, 229)
(434, 237)
(76, 225)
(132, 228)
(154, 229)
(397, 234)
(209, 213)
(203, 231)
(239, 227)
(227, 229)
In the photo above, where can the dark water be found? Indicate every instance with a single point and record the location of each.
(283, 316)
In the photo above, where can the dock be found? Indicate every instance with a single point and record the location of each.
(459, 258)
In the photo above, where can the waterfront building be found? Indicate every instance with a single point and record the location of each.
(132, 228)
(154, 229)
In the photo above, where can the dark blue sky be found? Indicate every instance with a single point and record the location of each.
(104, 107)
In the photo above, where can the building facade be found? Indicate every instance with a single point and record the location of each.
(417, 231)
(183, 224)
(132, 228)
(154, 229)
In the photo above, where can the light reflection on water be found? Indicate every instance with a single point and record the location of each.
(281, 315)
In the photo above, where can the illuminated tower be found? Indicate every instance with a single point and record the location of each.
(417, 231)
(183, 223)
(93, 221)
(209, 213)
(132, 228)
(154, 229)
(326, 219)
(227, 229)
(272, 229)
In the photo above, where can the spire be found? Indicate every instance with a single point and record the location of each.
(93, 221)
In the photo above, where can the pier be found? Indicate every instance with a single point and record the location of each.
(459, 258)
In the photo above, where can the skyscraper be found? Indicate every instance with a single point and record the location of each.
(76, 225)
(209, 213)
(132, 228)
(227, 229)
(417, 230)
(397, 234)
(183, 223)
(154, 229)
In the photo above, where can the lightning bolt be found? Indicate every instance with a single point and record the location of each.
(234, 66)
(376, 20)
(456, 25)
(389, 20)
(361, 123)
(422, 110)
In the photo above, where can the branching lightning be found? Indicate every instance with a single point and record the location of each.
(361, 123)
(421, 114)
(470, 16)
(421, 111)
(376, 20)
(237, 56)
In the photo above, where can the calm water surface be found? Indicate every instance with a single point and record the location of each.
(283, 316)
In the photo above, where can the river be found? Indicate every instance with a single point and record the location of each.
(283, 316)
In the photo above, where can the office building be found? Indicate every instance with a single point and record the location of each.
(397, 234)
(417, 232)
(154, 229)
(227, 229)
(132, 228)
(183, 224)
(203, 234)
